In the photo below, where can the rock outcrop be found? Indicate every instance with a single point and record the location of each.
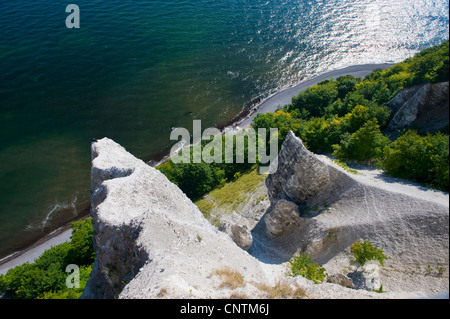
(424, 106)
(151, 241)
(239, 234)
(336, 209)
(282, 216)
(341, 279)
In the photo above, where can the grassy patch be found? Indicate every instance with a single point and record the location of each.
(232, 194)
(230, 278)
(345, 167)
(282, 291)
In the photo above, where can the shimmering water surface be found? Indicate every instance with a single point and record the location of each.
(137, 68)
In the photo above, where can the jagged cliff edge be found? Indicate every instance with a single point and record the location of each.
(151, 241)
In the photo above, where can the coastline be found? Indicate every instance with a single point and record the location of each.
(36, 248)
(281, 98)
(241, 121)
(285, 95)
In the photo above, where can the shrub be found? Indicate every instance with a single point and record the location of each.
(81, 248)
(315, 99)
(303, 266)
(421, 158)
(321, 133)
(365, 251)
(365, 145)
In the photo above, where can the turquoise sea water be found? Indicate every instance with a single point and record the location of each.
(136, 68)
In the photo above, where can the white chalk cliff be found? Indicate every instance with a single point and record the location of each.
(151, 241)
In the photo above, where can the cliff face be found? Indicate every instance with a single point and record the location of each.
(318, 208)
(341, 208)
(151, 241)
(423, 106)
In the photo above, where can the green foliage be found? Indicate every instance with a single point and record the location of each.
(345, 166)
(365, 251)
(198, 179)
(346, 84)
(431, 65)
(421, 158)
(303, 266)
(281, 120)
(81, 249)
(315, 99)
(376, 91)
(46, 277)
(354, 120)
(365, 145)
(320, 133)
(352, 100)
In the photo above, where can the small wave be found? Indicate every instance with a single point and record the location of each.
(57, 207)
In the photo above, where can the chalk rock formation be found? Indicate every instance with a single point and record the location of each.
(367, 277)
(341, 279)
(239, 234)
(425, 106)
(282, 216)
(303, 179)
(150, 239)
(338, 208)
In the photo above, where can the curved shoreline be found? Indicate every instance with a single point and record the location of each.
(242, 120)
(285, 95)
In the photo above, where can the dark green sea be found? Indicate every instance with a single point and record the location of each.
(134, 69)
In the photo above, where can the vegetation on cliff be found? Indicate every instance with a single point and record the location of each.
(346, 117)
(46, 277)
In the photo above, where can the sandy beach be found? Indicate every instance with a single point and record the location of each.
(270, 104)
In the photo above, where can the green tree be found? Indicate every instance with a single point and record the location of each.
(421, 158)
(354, 120)
(352, 100)
(346, 84)
(431, 65)
(197, 179)
(365, 145)
(315, 99)
(46, 276)
(281, 120)
(81, 249)
(321, 133)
